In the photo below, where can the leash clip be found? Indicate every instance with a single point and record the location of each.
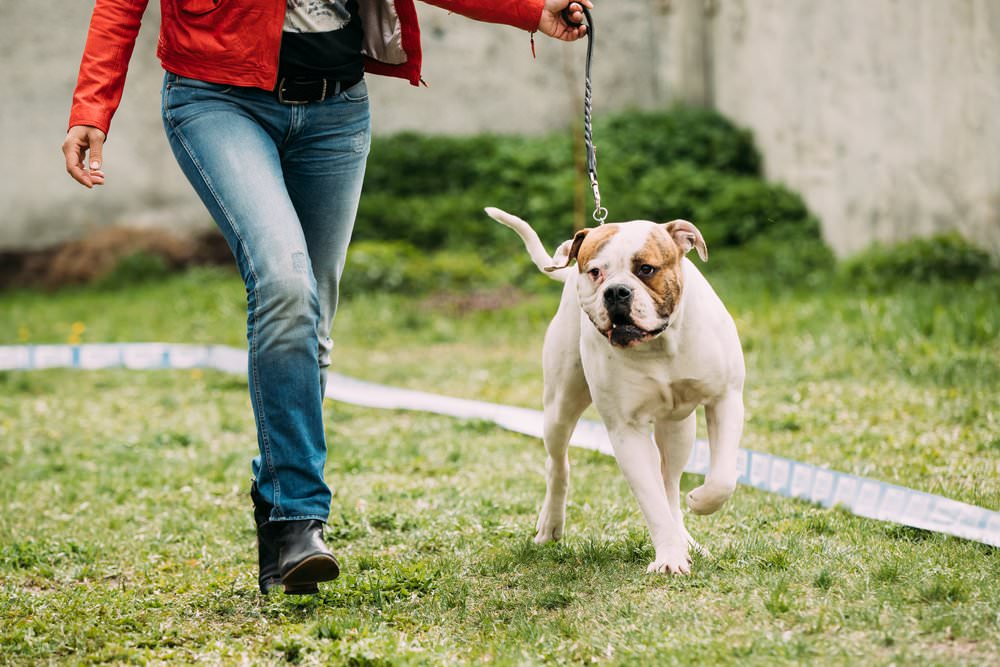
(600, 213)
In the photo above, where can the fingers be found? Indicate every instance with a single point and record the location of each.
(574, 13)
(74, 162)
(563, 20)
(97, 155)
(572, 16)
(78, 140)
(576, 10)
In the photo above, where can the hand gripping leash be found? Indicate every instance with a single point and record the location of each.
(600, 213)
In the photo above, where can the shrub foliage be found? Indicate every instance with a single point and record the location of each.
(429, 191)
(942, 258)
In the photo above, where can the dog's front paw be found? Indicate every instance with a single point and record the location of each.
(671, 560)
(710, 496)
(549, 526)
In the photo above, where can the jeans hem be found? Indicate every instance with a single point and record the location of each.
(301, 517)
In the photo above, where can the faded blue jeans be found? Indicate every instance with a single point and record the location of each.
(282, 182)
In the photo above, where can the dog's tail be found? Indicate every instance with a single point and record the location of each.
(552, 266)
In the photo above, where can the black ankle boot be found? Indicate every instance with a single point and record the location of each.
(303, 557)
(268, 550)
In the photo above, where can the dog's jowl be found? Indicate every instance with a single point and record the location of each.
(641, 334)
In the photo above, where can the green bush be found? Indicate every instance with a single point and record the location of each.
(410, 164)
(374, 265)
(665, 193)
(764, 263)
(402, 268)
(942, 258)
(137, 267)
(426, 222)
(729, 210)
(743, 209)
(631, 144)
(430, 191)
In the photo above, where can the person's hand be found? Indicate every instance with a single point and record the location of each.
(79, 140)
(553, 24)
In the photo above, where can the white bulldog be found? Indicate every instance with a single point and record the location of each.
(641, 334)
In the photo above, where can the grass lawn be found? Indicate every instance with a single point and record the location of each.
(126, 533)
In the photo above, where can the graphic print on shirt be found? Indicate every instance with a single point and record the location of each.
(316, 15)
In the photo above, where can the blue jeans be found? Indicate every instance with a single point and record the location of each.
(282, 182)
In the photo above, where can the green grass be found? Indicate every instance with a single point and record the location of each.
(126, 533)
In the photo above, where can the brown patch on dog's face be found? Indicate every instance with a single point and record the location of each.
(591, 243)
(657, 264)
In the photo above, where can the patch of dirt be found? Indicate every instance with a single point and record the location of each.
(93, 257)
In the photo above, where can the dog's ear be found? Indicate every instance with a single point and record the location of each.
(561, 255)
(571, 254)
(687, 236)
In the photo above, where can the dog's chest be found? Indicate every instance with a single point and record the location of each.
(662, 396)
(648, 388)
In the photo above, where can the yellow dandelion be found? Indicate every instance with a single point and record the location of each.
(23, 334)
(75, 331)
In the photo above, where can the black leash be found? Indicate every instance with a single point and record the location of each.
(600, 213)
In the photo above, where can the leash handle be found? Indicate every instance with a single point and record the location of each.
(567, 17)
(600, 213)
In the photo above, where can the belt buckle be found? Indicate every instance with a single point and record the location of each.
(283, 100)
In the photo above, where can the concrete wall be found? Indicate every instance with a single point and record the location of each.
(41, 204)
(884, 114)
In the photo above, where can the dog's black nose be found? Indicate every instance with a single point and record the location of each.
(618, 302)
(617, 295)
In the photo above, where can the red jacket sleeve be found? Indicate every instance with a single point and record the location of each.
(523, 14)
(114, 26)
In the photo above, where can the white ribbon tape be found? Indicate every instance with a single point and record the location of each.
(861, 496)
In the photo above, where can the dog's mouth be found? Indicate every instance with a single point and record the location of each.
(625, 333)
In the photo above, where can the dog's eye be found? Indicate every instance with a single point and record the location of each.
(595, 273)
(646, 270)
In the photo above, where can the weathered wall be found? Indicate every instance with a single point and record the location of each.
(482, 78)
(41, 204)
(882, 113)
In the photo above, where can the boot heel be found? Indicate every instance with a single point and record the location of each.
(301, 589)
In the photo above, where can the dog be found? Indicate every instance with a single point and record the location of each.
(641, 334)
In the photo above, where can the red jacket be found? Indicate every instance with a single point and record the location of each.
(237, 42)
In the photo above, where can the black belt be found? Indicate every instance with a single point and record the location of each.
(302, 90)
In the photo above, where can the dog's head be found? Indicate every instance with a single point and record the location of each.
(631, 277)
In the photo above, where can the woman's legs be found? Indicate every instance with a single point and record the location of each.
(246, 154)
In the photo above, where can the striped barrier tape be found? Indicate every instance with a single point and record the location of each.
(775, 474)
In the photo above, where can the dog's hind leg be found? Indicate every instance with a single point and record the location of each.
(725, 426)
(675, 440)
(566, 397)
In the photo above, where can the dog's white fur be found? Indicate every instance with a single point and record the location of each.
(688, 357)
